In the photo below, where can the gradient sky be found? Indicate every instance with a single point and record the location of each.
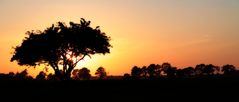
(182, 32)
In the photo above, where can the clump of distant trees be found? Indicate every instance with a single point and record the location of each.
(77, 74)
(152, 71)
(166, 70)
(23, 75)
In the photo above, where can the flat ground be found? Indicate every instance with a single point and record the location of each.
(190, 90)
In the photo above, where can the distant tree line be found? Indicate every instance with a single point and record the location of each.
(77, 74)
(166, 70)
(153, 71)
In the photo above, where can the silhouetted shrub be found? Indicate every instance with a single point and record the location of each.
(101, 73)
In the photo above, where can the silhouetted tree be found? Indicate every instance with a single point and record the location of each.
(199, 69)
(144, 72)
(61, 45)
(136, 72)
(228, 69)
(41, 76)
(209, 69)
(126, 76)
(169, 70)
(101, 73)
(188, 72)
(84, 74)
(23, 75)
(153, 71)
(75, 74)
(11, 75)
(52, 77)
(217, 70)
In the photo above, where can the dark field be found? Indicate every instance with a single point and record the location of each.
(177, 90)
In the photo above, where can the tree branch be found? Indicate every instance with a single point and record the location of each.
(79, 60)
(64, 62)
(52, 65)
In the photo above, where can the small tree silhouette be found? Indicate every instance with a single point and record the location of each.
(166, 68)
(83, 74)
(126, 76)
(144, 72)
(11, 75)
(154, 71)
(136, 72)
(171, 72)
(228, 69)
(101, 73)
(199, 69)
(41, 76)
(52, 77)
(188, 72)
(23, 75)
(61, 45)
(75, 74)
(210, 69)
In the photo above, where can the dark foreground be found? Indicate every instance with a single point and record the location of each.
(176, 90)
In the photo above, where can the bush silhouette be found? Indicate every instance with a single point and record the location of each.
(83, 74)
(153, 71)
(23, 75)
(228, 69)
(101, 73)
(61, 45)
(41, 76)
(136, 72)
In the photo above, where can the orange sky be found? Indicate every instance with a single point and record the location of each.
(182, 32)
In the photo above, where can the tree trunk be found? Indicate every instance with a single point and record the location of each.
(59, 75)
(67, 75)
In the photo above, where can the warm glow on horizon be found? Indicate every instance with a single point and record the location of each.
(181, 32)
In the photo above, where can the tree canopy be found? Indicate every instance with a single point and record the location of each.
(62, 45)
(101, 73)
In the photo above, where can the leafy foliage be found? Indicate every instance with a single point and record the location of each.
(83, 74)
(61, 45)
(101, 73)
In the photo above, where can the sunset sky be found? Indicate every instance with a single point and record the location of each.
(182, 32)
